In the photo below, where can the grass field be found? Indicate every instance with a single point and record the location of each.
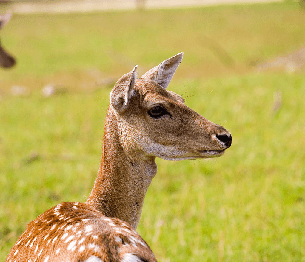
(247, 205)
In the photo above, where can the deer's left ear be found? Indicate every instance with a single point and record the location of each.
(4, 19)
(163, 73)
(123, 91)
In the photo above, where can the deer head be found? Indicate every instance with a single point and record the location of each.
(156, 122)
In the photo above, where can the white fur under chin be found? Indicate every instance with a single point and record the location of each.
(131, 258)
(93, 259)
(165, 152)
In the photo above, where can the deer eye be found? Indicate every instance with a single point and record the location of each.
(157, 112)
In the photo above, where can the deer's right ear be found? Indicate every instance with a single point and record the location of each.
(4, 19)
(123, 91)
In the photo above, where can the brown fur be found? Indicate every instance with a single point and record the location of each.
(104, 228)
(127, 168)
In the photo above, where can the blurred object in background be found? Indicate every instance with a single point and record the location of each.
(277, 104)
(66, 6)
(140, 4)
(19, 91)
(6, 60)
(290, 63)
(50, 90)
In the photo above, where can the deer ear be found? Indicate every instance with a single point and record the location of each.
(4, 19)
(163, 73)
(123, 91)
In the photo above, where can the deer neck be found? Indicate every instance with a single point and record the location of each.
(123, 177)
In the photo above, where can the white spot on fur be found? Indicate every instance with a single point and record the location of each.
(96, 248)
(131, 258)
(54, 239)
(57, 251)
(61, 217)
(82, 240)
(118, 239)
(62, 226)
(88, 228)
(131, 239)
(142, 243)
(95, 237)
(126, 230)
(45, 237)
(118, 231)
(28, 243)
(124, 225)
(93, 259)
(46, 259)
(16, 252)
(81, 249)
(64, 236)
(36, 249)
(33, 241)
(71, 245)
(75, 228)
(68, 227)
(91, 246)
(111, 224)
(79, 233)
(69, 239)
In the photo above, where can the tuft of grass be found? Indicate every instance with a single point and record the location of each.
(247, 205)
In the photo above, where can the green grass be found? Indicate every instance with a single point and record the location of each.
(216, 41)
(247, 205)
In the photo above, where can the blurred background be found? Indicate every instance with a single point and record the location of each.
(243, 68)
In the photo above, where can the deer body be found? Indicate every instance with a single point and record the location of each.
(144, 121)
(74, 231)
(6, 60)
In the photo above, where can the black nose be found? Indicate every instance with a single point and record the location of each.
(226, 139)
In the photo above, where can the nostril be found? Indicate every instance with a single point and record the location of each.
(226, 139)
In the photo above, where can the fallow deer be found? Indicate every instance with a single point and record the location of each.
(143, 121)
(6, 60)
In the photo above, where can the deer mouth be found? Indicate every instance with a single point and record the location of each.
(211, 153)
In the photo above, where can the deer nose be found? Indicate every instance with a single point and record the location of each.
(226, 139)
